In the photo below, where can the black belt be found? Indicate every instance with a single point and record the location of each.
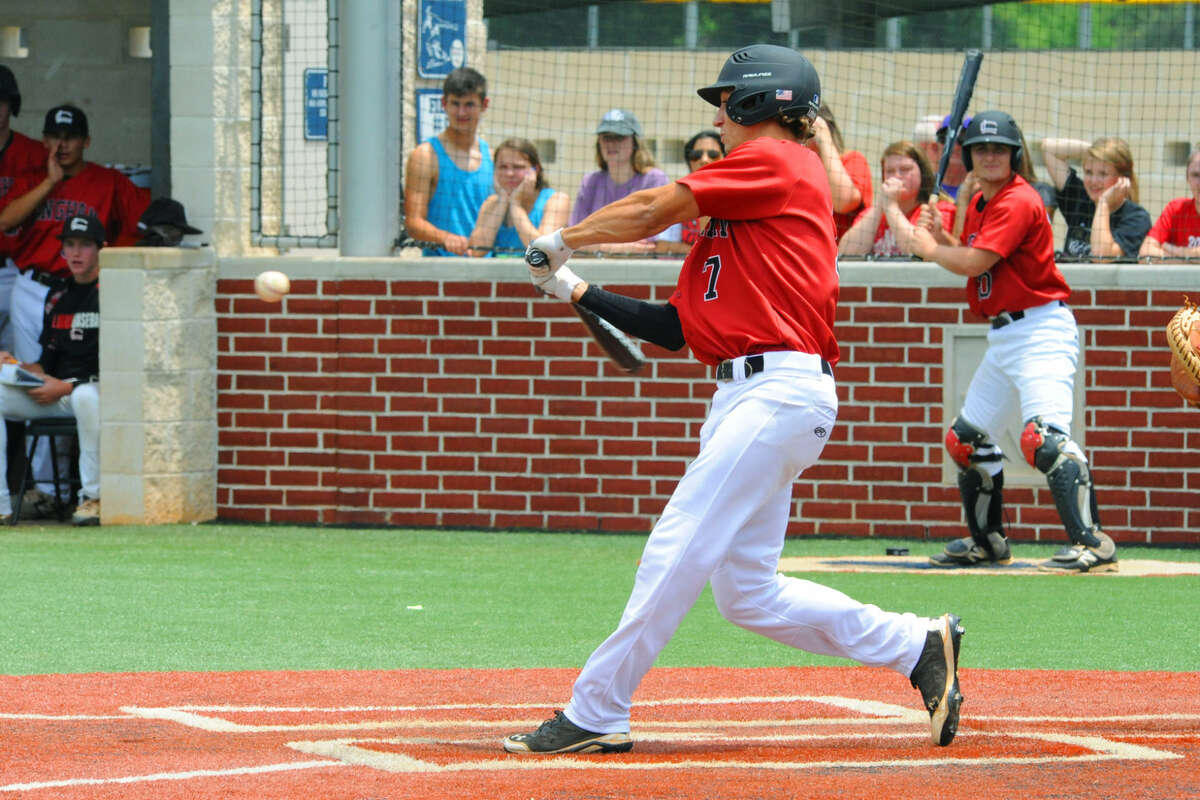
(755, 365)
(1005, 317)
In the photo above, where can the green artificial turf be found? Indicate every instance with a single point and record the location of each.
(217, 597)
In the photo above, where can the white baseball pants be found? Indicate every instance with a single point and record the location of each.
(83, 404)
(726, 522)
(1032, 362)
(8, 275)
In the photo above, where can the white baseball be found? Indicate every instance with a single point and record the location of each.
(272, 285)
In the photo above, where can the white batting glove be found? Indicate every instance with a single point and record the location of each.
(560, 283)
(551, 245)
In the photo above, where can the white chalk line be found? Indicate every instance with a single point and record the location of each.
(170, 776)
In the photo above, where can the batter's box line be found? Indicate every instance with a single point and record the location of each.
(348, 752)
(873, 712)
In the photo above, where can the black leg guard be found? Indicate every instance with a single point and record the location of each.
(983, 502)
(1050, 450)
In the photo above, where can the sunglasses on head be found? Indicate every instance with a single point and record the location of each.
(696, 155)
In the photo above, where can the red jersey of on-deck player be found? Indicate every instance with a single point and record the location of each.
(100, 191)
(763, 275)
(1013, 224)
(19, 156)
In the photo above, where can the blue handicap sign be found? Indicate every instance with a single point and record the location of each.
(316, 103)
(442, 37)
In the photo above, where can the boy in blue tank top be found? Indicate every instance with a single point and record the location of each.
(447, 178)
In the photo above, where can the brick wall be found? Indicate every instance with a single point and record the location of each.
(453, 397)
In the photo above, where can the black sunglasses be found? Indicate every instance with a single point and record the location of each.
(696, 155)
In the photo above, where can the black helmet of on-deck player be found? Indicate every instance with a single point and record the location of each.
(766, 81)
(991, 126)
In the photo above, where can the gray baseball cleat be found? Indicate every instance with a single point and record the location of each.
(559, 735)
(936, 676)
(966, 552)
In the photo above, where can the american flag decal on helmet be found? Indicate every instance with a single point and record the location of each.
(783, 94)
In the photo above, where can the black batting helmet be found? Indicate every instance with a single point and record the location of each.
(9, 90)
(766, 81)
(992, 126)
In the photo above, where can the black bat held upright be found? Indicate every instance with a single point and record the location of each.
(962, 98)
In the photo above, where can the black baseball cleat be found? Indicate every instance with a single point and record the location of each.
(559, 735)
(1078, 559)
(936, 676)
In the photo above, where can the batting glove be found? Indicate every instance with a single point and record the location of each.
(560, 283)
(551, 245)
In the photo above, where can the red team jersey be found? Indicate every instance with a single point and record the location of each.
(1013, 224)
(19, 156)
(100, 191)
(1178, 224)
(763, 275)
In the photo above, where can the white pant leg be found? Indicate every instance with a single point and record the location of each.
(85, 404)
(750, 592)
(16, 404)
(8, 275)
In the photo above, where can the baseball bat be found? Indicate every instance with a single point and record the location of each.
(962, 98)
(622, 350)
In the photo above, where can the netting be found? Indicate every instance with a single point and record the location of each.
(1068, 72)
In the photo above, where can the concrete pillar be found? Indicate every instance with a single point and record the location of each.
(158, 379)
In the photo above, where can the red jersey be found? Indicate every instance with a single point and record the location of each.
(20, 155)
(1178, 224)
(860, 175)
(885, 240)
(1013, 224)
(103, 192)
(763, 275)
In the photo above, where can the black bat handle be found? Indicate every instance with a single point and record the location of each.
(536, 258)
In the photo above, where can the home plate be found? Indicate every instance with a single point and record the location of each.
(1133, 568)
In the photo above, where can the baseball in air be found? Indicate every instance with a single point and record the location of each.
(272, 285)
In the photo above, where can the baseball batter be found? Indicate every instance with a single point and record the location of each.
(756, 299)
(1007, 256)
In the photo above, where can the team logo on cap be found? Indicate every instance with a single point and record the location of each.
(79, 224)
(988, 126)
(64, 117)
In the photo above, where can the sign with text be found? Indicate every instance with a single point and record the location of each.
(316, 104)
(431, 117)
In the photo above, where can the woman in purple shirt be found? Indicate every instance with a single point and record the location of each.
(625, 167)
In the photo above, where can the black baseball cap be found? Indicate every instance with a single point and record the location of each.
(9, 90)
(83, 226)
(66, 119)
(165, 211)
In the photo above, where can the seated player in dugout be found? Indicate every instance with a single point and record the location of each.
(1007, 257)
(69, 364)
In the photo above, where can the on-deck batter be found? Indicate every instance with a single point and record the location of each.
(1007, 255)
(756, 298)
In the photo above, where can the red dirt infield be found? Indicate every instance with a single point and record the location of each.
(846, 732)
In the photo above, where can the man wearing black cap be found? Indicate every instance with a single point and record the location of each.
(39, 201)
(18, 154)
(164, 224)
(69, 364)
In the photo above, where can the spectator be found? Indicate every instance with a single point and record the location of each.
(69, 363)
(1176, 234)
(848, 172)
(163, 224)
(1102, 214)
(885, 229)
(701, 149)
(40, 200)
(625, 166)
(925, 137)
(18, 154)
(448, 178)
(523, 206)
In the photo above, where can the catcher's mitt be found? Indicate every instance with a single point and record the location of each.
(1183, 335)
